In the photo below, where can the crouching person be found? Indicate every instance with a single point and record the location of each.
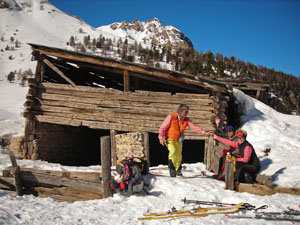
(247, 162)
(131, 180)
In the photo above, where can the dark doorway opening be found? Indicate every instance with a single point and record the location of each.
(68, 145)
(193, 151)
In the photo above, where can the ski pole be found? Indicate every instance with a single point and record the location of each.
(245, 206)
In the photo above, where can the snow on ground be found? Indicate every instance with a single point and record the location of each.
(266, 128)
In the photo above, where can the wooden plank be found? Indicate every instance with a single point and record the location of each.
(106, 166)
(90, 176)
(128, 96)
(138, 123)
(126, 80)
(109, 126)
(58, 120)
(37, 76)
(58, 71)
(126, 103)
(32, 178)
(229, 175)
(113, 147)
(42, 74)
(146, 146)
(264, 190)
(16, 174)
(111, 117)
(66, 194)
(126, 112)
(92, 91)
(7, 183)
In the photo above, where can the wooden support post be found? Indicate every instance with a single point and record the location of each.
(126, 81)
(146, 146)
(258, 94)
(106, 164)
(209, 152)
(38, 71)
(113, 147)
(229, 175)
(42, 72)
(16, 171)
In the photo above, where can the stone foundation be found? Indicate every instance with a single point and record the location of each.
(130, 144)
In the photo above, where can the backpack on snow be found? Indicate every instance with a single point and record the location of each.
(141, 163)
(130, 171)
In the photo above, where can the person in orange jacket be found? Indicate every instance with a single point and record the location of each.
(171, 134)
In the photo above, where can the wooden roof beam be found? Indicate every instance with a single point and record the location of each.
(58, 71)
(131, 68)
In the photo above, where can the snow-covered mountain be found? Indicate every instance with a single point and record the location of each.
(39, 22)
(148, 32)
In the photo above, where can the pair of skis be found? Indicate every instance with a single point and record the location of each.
(289, 215)
(196, 212)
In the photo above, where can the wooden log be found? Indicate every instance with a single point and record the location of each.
(7, 183)
(146, 146)
(106, 166)
(120, 119)
(92, 91)
(138, 120)
(209, 150)
(89, 176)
(113, 147)
(42, 72)
(107, 126)
(32, 92)
(112, 111)
(33, 178)
(38, 71)
(123, 98)
(16, 171)
(33, 82)
(229, 175)
(93, 176)
(264, 190)
(126, 81)
(66, 194)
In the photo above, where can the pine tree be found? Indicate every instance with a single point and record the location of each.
(72, 41)
(11, 77)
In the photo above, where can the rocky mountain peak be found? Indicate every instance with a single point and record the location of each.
(153, 31)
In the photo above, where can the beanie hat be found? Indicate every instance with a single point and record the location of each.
(229, 127)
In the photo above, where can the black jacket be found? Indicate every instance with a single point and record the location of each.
(253, 158)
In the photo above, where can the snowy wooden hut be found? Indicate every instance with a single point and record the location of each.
(76, 98)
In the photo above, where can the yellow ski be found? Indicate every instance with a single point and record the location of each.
(193, 212)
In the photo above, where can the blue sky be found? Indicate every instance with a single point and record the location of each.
(263, 32)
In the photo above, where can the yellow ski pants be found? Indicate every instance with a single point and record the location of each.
(175, 152)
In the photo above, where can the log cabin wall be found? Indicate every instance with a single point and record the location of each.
(66, 96)
(100, 108)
